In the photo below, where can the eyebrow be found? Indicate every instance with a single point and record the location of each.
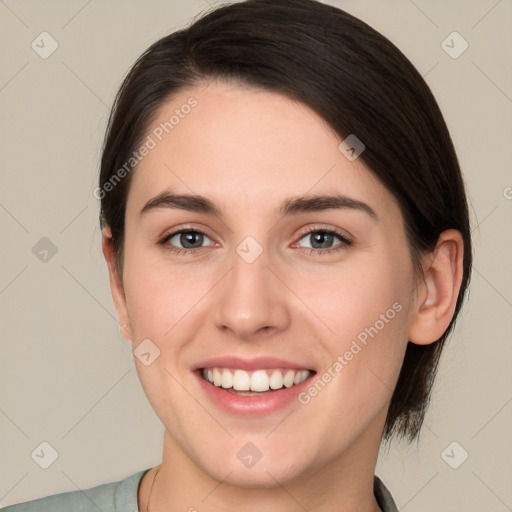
(294, 205)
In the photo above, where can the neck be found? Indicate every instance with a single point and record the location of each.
(341, 485)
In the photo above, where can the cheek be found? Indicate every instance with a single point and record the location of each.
(160, 297)
(366, 310)
(160, 301)
(353, 297)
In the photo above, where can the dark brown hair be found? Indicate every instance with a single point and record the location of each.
(358, 82)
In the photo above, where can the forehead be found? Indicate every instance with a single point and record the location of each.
(247, 148)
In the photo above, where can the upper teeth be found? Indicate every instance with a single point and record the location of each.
(259, 380)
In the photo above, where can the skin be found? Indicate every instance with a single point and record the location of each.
(248, 150)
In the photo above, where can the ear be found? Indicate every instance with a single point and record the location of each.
(437, 296)
(116, 284)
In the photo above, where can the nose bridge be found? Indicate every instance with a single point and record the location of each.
(250, 296)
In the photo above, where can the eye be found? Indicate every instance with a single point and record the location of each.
(319, 241)
(185, 240)
(324, 241)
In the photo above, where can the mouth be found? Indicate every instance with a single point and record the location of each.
(257, 387)
(256, 382)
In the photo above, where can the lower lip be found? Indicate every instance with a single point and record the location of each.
(244, 405)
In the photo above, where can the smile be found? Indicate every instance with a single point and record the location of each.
(254, 382)
(252, 387)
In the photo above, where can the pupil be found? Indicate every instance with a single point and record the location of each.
(189, 238)
(323, 239)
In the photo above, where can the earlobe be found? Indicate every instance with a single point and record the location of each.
(437, 297)
(116, 285)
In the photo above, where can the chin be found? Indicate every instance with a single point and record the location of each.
(264, 474)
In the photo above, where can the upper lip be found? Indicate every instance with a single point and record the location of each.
(257, 363)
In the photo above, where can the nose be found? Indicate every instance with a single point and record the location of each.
(251, 302)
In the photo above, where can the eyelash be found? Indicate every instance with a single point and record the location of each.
(344, 242)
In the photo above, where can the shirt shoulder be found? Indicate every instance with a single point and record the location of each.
(121, 496)
(383, 496)
(118, 496)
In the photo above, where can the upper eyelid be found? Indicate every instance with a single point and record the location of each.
(180, 229)
(321, 227)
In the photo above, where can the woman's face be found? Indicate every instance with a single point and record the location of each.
(272, 281)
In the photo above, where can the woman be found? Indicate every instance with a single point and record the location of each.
(286, 231)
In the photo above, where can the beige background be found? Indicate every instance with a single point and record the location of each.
(68, 378)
